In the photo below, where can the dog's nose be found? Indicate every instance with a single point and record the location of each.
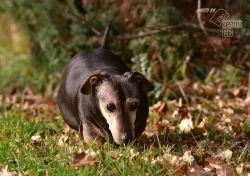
(126, 138)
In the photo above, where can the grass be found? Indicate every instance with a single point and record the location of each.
(53, 153)
(152, 154)
(22, 155)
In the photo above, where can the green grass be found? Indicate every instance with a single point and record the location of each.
(22, 155)
(49, 156)
(53, 157)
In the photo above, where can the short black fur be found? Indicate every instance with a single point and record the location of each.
(81, 112)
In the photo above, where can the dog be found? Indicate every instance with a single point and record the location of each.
(100, 97)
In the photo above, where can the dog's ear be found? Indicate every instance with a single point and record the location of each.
(138, 77)
(92, 82)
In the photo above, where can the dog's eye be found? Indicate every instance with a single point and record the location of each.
(111, 107)
(133, 106)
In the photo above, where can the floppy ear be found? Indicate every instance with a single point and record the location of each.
(92, 82)
(138, 77)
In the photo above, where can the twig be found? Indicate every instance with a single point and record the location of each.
(162, 68)
(202, 26)
(139, 36)
(195, 26)
(243, 152)
(227, 5)
(248, 91)
(156, 30)
(247, 100)
(166, 28)
(79, 18)
(235, 144)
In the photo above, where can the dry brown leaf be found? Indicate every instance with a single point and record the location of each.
(180, 170)
(28, 91)
(227, 154)
(185, 84)
(214, 162)
(199, 171)
(208, 90)
(63, 140)
(239, 91)
(160, 108)
(185, 68)
(36, 138)
(186, 125)
(4, 172)
(113, 172)
(240, 168)
(248, 157)
(247, 100)
(189, 158)
(175, 160)
(222, 168)
(156, 106)
(220, 103)
(133, 153)
(225, 170)
(182, 113)
(82, 159)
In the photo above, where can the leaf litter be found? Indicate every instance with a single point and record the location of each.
(211, 127)
(85, 158)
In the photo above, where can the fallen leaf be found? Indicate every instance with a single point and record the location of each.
(227, 154)
(225, 170)
(199, 171)
(28, 91)
(186, 125)
(175, 161)
(36, 138)
(222, 168)
(247, 100)
(182, 85)
(181, 169)
(220, 103)
(185, 65)
(214, 162)
(239, 91)
(160, 109)
(82, 159)
(188, 157)
(4, 172)
(64, 139)
(113, 172)
(208, 90)
(240, 168)
(133, 153)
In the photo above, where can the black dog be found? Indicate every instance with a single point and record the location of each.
(101, 97)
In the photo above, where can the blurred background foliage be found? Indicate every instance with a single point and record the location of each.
(160, 38)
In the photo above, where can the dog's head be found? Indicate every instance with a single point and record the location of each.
(118, 98)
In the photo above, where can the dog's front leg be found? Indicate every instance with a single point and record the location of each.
(91, 134)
